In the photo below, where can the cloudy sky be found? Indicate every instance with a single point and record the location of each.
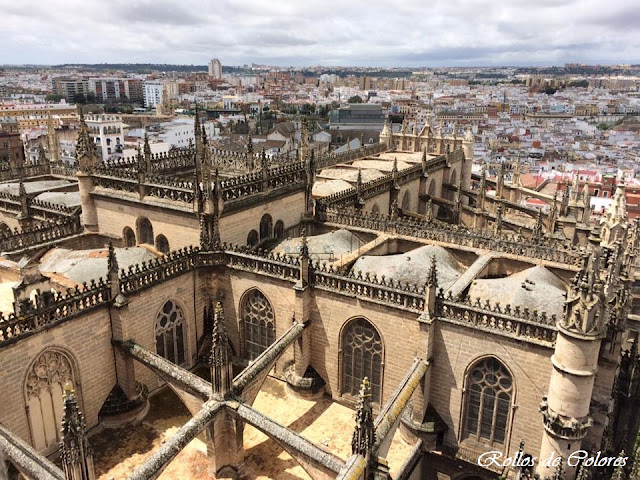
(328, 32)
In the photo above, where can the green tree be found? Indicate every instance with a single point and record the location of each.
(53, 97)
(355, 99)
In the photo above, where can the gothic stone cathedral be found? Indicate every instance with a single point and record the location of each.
(389, 278)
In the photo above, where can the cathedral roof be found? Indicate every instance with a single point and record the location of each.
(73, 267)
(412, 267)
(321, 247)
(534, 288)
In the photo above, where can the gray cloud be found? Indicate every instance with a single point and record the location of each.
(288, 32)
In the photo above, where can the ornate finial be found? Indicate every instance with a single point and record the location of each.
(21, 190)
(76, 455)
(538, 231)
(432, 280)
(429, 211)
(364, 435)
(250, 145)
(147, 147)
(112, 260)
(583, 472)
(497, 227)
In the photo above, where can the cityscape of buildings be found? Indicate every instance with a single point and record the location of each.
(326, 272)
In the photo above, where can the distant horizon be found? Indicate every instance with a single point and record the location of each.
(377, 33)
(316, 66)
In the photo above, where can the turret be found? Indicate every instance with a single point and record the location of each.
(385, 134)
(86, 161)
(565, 409)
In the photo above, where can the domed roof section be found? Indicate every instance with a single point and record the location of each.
(326, 247)
(412, 267)
(534, 288)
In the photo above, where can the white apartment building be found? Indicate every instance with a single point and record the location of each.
(108, 132)
(152, 93)
(178, 132)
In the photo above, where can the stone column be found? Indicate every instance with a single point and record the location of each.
(89, 211)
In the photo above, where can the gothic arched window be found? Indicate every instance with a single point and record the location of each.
(278, 230)
(259, 324)
(129, 237)
(488, 403)
(361, 357)
(4, 230)
(266, 227)
(45, 382)
(170, 333)
(252, 238)
(162, 244)
(375, 209)
(145, 231)
(406, 201)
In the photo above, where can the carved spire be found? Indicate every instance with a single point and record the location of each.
(429, 210)
(197, 131)
(565, 201)
(538, 229)
(559, 473)
(112, 260)
(147, 153)
(500, 181)
(394, 171)
(575, 188)
(249, 145)
(432, 280)
(140, 163)
(615, 219)
(304, 245)
(220, 358)
(497, 227)
(53, 144)
(86, 153)
(77, 460)
(364, 435)
(553, 215)
(42, 156)
(583, 472)
(584, 307)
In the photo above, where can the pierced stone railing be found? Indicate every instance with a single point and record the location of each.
(48, 309)
(274, 265)
(407, 297)
(510, 321)
(505, 242)
(141, 276)
(41, 234)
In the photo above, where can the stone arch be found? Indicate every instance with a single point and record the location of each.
(488, 397)
(5, 230)
(252, 238)
(362, 355)
(170, 332)
(453, 176)
(266, 227)
(162, 244)
(278, 229)
(406, 201)
(258, 323)
(44, 383)
(145, 231)
(129, 237)
(375, 209)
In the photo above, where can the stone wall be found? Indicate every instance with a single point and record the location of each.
(87, 340)
(456, 348)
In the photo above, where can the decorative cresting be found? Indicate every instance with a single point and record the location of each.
(361, 357)
(44, 386)
(170, 333)
(364, 435)
(77, 459)
(259, 324)
(220, 358)
(584, 309)
(489, 396)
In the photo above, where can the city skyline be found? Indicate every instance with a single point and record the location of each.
(329, 34)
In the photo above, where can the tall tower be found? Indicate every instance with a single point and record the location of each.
(215, 68)
(565, 409)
